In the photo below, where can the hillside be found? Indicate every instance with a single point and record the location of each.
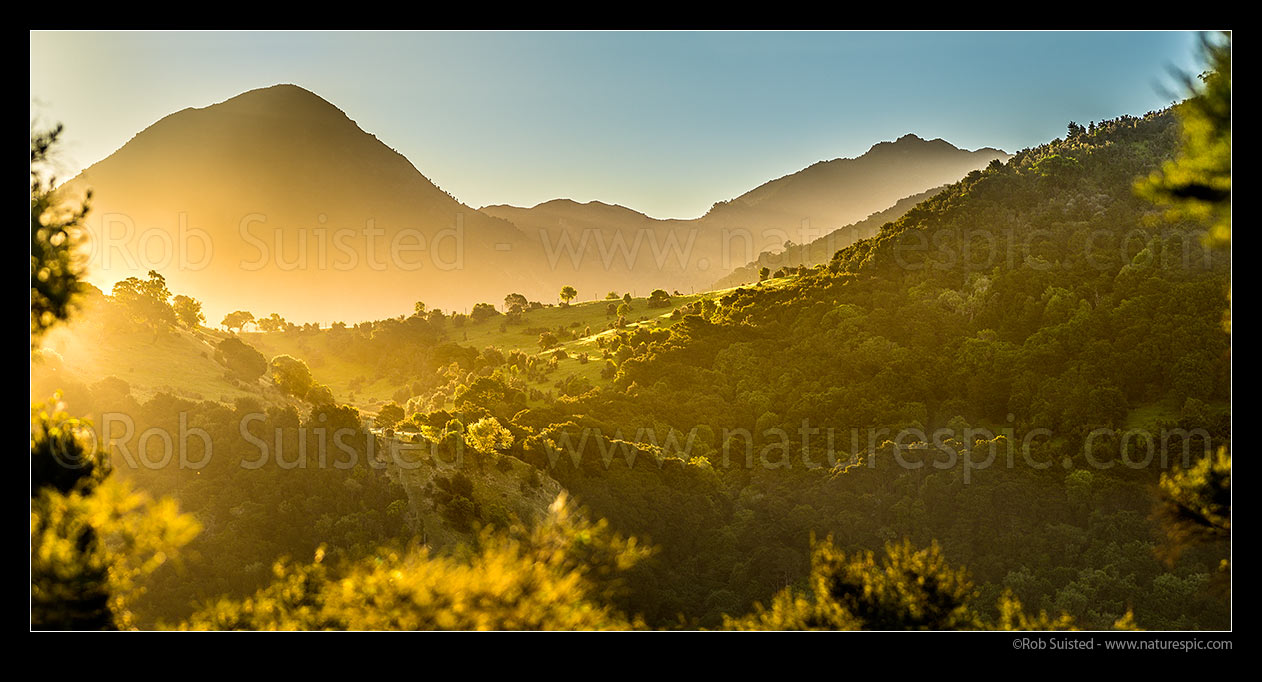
(102, 345)
(819, 251)
(364, 367)
(1014, 324)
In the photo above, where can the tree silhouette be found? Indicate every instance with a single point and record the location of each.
(56, 232)
(515, 303)
(188, 310)
(237, 320)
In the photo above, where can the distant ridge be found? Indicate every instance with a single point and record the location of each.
(822, 249)
(261, 172)
(843, 191)
(798, 207)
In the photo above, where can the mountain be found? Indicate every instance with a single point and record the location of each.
(830, 194)
(276, 201)
(598, 247)
(562, 214)
(803, 207)
(821, 250)
(274, 174)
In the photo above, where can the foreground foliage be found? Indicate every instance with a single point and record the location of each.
(907, 589)
(558, 576)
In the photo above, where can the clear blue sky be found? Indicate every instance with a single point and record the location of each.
(666, 123)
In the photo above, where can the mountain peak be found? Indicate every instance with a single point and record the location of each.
(910, 142)
(282, 99)
(278, 91)
(287, 154)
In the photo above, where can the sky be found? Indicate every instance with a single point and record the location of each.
(666, 123)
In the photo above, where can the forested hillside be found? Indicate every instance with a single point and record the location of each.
(819, 251)
(948, 320)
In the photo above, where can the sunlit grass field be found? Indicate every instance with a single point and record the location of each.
(340, 374)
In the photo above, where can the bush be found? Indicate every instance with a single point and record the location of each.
(241, 358)
(483, 311)
(291, 376)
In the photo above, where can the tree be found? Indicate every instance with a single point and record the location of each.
(69, 588)
(659, 299)
(418, 309)
(482, 311)
(567, 294)
(909, 590)
(609, 371)
(516, 303)
(547, 340)
(1196, 502)
(273, 323)
(1197, 183)
(146, 300)
(388, 416)
(291, 375)
(763, 273)
(56, 233)
(237, 320)
(487, 435)
(188, 310)
(612, 296)
(624, 309)
(92, 538)
(320, 396)
(241, 359)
